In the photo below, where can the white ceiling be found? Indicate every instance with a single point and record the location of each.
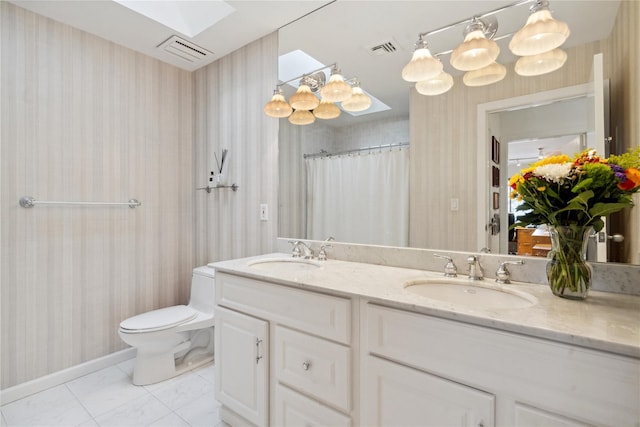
(119, 24)
(338, 31)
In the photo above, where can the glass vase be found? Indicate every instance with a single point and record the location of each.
(568, 273)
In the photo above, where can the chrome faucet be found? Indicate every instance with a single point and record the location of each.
(502, 274)
(322, 254)
(475, 269)
(450, 269)
(301, 249)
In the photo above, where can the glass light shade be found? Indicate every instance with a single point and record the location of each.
(543, 63)
(359, 101)
(277, 107)
(475, 52)
(540, 34)
(304, 99)
(485, 76)
(422, 66)
(301, 117)
(326, 110)
(435, 86)
(336, 90)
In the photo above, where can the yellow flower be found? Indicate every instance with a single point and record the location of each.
(513, 194)
(562, 158)
(541, 188)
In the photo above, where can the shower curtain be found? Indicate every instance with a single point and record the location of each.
(361, 198)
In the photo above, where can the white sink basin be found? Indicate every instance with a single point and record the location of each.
(285, 264)
(472, 294)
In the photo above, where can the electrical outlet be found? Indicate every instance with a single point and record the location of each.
(455, 204)
(264, 212)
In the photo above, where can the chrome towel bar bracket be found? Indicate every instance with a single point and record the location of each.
(29, 202)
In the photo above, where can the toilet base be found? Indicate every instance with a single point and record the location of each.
(151, 368)
(150, 372)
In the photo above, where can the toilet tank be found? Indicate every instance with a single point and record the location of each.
(203, 289)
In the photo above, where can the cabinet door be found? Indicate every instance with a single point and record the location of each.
(401, 396)
(292, 409)
(241, 364)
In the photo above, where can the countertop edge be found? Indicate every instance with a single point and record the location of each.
(490, 320)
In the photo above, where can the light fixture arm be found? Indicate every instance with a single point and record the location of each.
(469, 20)
(335, 64)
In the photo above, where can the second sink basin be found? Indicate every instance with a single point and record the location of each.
(472, 294)
(285, 264)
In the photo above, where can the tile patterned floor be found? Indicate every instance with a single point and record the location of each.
(107, 398)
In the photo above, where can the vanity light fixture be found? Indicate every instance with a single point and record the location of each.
(278, 107)
(540, 34)
(336, 90)
(543, 63)
(326, 110)
(304, 99)
(358, 101)
(305, 105)
(301, 117)
(478, 49)
(536, 42)
(423, 66)
(490, 74)
(435, 86)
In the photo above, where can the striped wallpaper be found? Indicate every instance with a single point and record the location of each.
(85, 119)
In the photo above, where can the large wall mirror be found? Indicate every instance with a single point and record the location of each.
(420, 141)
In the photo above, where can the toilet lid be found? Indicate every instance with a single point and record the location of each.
(163, 318)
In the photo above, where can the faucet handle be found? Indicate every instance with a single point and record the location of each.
(502, 274)
(322, 254)
(296, 252)
(450, 269)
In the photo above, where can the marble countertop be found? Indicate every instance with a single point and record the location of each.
(604, 321)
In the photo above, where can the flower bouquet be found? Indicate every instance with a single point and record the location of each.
(571, 196)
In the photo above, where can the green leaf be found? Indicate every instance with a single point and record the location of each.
(604, 209)
(582, 185)
(597, 224)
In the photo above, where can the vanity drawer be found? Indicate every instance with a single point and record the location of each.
(313, 366)
(319, 314)
(292, 409)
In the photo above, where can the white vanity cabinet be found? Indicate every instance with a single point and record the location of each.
(423, 370)
(283, 355)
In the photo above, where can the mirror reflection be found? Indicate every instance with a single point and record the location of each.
(443, 151)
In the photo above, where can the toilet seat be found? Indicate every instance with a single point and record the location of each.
(158, 320)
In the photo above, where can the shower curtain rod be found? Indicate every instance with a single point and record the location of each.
(323, 153)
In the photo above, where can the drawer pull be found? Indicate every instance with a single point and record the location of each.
(306, 365)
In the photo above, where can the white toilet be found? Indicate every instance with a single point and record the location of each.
(174, 339)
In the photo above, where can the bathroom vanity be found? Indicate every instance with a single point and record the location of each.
(348, 343)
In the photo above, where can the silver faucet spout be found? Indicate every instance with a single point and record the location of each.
(301, 249)
(475, 269)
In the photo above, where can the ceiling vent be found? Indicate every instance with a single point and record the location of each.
(382, 48)
(184, 49)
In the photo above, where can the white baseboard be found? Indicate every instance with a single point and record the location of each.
(39, 384)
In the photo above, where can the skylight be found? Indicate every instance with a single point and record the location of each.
(184, 16)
